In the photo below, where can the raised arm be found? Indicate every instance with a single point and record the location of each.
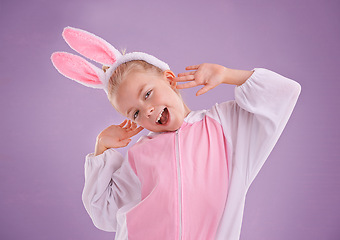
(110, 182)
(255, 120)
(116, 136)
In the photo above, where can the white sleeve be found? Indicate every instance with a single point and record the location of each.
(110, 183)
(254, 122)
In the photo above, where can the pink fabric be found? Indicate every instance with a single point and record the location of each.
(76, 68)
(156, 216)
(205, 178)
(203, 189)
(90, 45)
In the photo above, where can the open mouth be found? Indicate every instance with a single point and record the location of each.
(163, 117)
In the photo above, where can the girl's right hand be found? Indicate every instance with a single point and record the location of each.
(116, 136)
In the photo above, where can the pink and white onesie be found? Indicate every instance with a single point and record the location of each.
(192, 183)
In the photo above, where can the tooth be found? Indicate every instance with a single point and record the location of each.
(160, 115)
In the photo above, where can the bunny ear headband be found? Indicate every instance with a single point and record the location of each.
(96, 49)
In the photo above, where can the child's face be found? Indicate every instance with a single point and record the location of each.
(150, 100)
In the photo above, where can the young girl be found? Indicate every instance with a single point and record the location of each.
(188, 178)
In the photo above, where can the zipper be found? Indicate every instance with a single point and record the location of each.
(179, 180)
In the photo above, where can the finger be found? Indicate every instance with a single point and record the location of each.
(123, 123)
(128, 125)
(184, 78)
(137, 130)
(134, 132)
(187, 85)
(192, 67)
(186, 73)
(204, 89)
(140, 128)
(133, 126)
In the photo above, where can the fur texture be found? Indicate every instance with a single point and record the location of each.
(96, 49)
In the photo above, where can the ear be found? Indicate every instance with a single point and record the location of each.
(78, 69)
(91, 46)
(169, 75)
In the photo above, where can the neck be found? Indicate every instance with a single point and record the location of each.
(186, 110)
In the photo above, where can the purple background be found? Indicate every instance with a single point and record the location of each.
(49, 123)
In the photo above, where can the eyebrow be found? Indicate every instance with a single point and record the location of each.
(138, 95)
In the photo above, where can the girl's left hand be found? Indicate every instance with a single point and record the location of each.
(207, 74)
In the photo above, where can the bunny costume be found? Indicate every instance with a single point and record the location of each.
(191, 183)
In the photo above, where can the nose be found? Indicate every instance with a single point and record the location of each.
(149, 110)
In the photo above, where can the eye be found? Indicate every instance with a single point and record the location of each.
(135, 115)
(148, 94)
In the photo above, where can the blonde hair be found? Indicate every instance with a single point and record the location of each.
(124, 69)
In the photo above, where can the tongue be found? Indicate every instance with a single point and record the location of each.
(165, 116)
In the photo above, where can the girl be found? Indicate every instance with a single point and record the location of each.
(188, 178)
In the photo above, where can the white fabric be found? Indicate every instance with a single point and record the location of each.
(252, 125)
(110, 184)
(130, 57)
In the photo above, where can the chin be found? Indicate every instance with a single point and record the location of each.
(166, 128)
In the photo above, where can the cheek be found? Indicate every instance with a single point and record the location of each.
(170, 95)
(177, 100)
(143, 122)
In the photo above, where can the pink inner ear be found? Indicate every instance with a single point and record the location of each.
(90, 45)
(76, 68)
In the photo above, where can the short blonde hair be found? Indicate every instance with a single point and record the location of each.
(124, 69)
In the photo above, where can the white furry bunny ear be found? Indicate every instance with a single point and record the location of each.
(91, 46)
(78, 69)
